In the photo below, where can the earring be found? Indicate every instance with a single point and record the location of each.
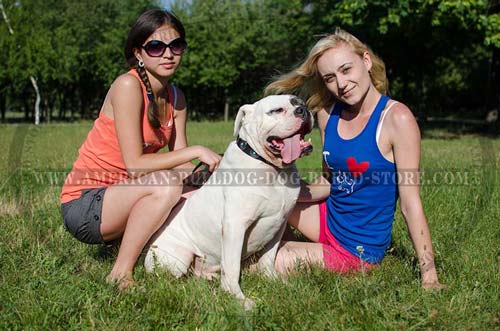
(140, 63)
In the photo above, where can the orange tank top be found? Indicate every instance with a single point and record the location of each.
(100, 161)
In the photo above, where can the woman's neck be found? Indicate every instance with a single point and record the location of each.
(158, 83)
(366, 105)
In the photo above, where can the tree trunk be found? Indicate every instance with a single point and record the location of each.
(3, 106)
(226, 111)
(37, 101)
(33, 80)
(4, 14)
(62, 106)
(46, 109)
(27, 110)
(226, 106)
(74, 105)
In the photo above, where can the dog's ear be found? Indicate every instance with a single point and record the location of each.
(244, 110)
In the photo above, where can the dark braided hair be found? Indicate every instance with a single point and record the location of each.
(146, 24)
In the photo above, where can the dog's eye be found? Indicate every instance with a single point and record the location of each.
(276, 111)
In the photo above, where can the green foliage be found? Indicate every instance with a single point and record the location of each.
(492, 25)
(437, 53)
(236, 46)
(72, 48)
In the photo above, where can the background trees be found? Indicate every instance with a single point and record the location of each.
(442, 56)
(73, 49)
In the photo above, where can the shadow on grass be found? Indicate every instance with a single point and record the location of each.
(402, 253)
(22, 120)
(107, 252)
(432, 128)
(454, 129)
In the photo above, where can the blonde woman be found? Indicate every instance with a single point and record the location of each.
(371, 154)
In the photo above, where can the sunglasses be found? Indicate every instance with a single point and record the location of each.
(156, 48)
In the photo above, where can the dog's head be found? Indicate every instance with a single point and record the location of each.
(275, 128)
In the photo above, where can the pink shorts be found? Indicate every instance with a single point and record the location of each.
(337, 258)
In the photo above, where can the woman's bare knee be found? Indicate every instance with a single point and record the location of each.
(165, 185)
(121, 200)
(292, 254)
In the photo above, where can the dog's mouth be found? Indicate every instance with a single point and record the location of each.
(292, 147)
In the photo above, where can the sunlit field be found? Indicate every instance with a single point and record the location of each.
(49, 281)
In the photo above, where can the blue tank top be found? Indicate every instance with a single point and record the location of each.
(363, 192)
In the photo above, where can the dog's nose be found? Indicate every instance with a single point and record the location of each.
(300, 112)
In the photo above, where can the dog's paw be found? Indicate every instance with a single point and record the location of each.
(247, 303)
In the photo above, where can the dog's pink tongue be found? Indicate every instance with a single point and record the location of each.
(291, 149)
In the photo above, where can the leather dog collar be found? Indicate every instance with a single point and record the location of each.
(245, 147)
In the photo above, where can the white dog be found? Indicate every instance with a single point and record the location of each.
(243, 207)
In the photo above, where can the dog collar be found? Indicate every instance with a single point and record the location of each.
(245, 147)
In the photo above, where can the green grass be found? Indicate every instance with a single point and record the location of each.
(49, 281)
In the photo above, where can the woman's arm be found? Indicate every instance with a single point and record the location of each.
(178, 139)
(319, 189)
(405, 140)
(127, 103)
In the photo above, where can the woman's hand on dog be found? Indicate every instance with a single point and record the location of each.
(209, 157)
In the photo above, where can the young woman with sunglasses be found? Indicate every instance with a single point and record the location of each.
(371, 154)
(119, 186)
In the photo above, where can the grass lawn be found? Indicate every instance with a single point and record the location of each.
(49, 281)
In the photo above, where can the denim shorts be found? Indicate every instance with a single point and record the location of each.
(82, 216)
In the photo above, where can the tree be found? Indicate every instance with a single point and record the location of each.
(235, 47)
(32, 79)
(436, 52)
(72, 48)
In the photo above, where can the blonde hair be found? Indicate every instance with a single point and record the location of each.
(306, 82)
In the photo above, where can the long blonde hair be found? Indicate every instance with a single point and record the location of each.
(306, 82)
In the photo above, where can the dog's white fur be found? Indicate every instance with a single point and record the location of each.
(223, 223)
